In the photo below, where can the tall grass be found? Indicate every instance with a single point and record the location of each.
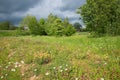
(4, 33)
(59, 58)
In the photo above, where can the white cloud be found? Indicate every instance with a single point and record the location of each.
(45, 8)
(42, 10)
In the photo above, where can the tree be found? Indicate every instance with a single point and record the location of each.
(77, 26)
(4, 25)
(56, 28)
(101, 16)
(49, 22)
(32, 24)
(68, 28)
(41, 24)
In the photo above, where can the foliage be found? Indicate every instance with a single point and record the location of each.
(55, 26)
(41, 24)
(4, 25)
(101, 17)
(49, 24)
(30, 23)
(69, 30)
(18, 32)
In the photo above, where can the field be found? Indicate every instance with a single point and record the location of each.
(78, 57)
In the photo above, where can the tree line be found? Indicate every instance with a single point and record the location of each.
(6, 25)
(52, 26)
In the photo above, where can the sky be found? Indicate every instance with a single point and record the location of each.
(15, 10)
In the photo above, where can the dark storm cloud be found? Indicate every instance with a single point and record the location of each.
(15, 10)
(11, 6)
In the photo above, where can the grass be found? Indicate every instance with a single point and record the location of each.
(59, 58)
(13, 33)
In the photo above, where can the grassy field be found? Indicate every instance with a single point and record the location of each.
(59, 58)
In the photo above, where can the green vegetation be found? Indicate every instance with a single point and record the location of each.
(64, 58)
(102, 17)
(6, 25)
(13, 33)
(53, 26)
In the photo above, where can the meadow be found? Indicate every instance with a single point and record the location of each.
(78, 57)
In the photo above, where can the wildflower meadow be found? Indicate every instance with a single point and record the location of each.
(77, 57)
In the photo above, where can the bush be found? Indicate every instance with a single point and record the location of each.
(69, 30)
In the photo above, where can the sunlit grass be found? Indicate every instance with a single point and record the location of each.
(64, 58)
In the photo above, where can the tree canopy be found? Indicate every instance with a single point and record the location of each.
(101, 16)
(53, 25)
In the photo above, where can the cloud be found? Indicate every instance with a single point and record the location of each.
(15, 10)
(72, 5)
(10, 6)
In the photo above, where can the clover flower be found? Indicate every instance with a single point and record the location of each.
(13, 70)
(54, 67)
(35, 69)
(6, 67)
(76, 78)
(102, 79)
(60, 66)
(61, 70)
(47, 73)
(66, 69)
(22, 62)
(2, 77)
(6, 74)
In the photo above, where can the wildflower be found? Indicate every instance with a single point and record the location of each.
(61, 70)
(9, 62)
(22, 74)
(35, 69)
(102, 79)
(76, 78)
(13, 70)
(2, 77)
(47, 73)
(105, 63)
(66, 69)
(6, 67)
(16, 66)
(22, 62)
(6, 74)
(66, 65)
(54, 67)
(60, 66)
